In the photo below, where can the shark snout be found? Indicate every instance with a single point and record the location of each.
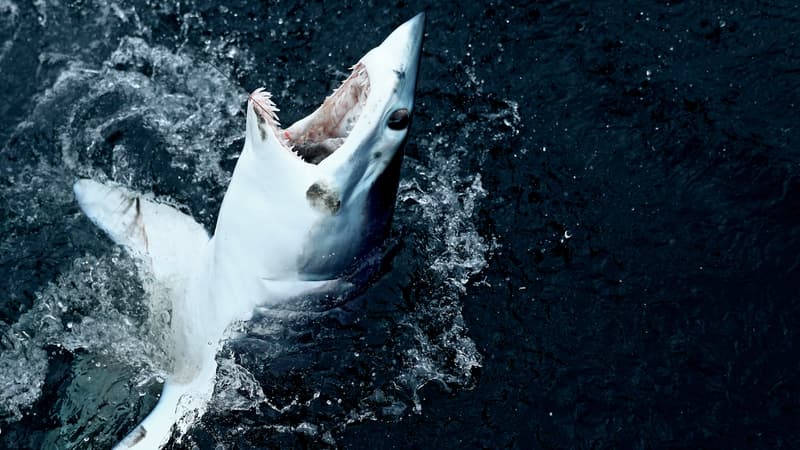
(405, 45)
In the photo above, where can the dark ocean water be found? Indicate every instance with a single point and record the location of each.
(597, 241)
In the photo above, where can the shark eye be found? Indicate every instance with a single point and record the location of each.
(399, 119)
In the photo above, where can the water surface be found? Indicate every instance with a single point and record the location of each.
(596, 244)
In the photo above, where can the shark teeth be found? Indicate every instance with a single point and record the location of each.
(315, 137)
(322, 132)
(266, 109)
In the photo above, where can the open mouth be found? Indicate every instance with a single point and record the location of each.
(319, 134)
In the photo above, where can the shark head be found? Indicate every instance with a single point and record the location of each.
(308, 201)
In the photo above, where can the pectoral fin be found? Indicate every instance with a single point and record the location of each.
(159, 234)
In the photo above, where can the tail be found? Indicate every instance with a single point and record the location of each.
(157, 427)
(171, 243)
(180, 404)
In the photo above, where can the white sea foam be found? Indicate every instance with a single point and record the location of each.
(95, 305)
(192, 109)
(431, 342)
(98, 304)
(443, 350)
(190, 105)
(236, 388)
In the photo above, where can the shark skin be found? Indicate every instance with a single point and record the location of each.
(305, 204)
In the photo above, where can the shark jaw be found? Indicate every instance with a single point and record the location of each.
(304, 206)
(391, 68)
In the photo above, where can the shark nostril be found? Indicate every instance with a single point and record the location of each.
(399, 119)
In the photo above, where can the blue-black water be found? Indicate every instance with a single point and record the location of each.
(597, 240)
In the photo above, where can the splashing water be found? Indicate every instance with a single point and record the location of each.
(150, 117)
(146, 116)
(443, 351)
(319, 372)
(95, 306)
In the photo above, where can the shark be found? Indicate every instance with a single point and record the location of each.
(304, 206)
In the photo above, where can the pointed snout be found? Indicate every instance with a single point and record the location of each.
(405, 45)
(407, 38)
(408, 35)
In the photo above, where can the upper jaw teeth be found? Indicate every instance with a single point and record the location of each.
(326, 129)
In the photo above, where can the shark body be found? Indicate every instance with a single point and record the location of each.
(304, 205)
